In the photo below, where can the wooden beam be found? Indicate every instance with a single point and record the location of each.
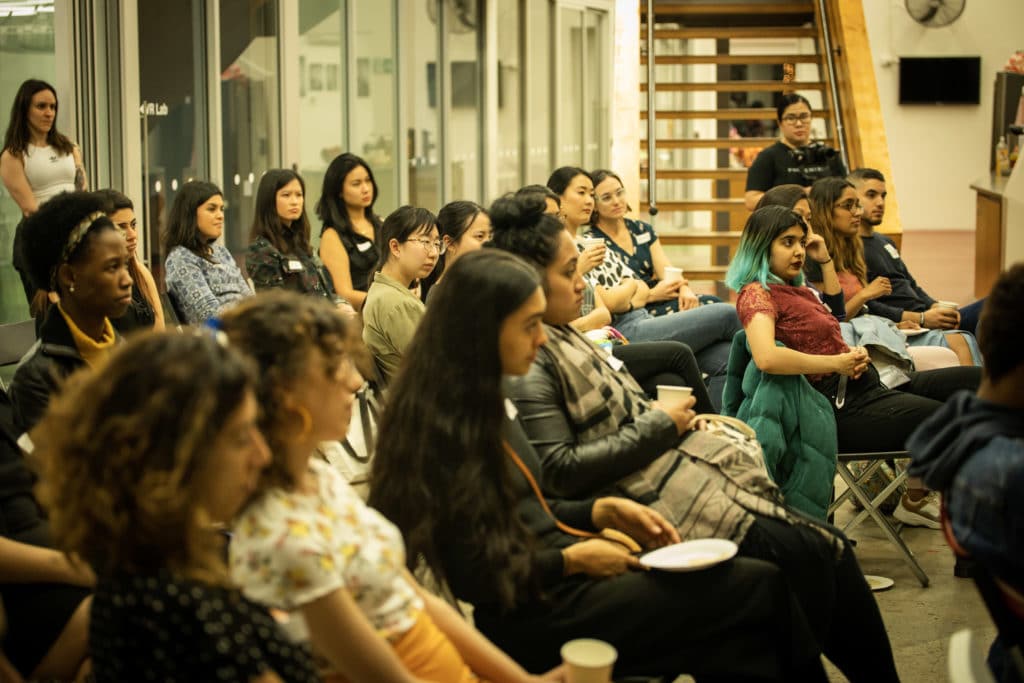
(697, 174)
(734, 32)
(737, 86)
(732, 59)
(680, 8)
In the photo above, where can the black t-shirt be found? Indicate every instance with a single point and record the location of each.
(779, 165)
(362, 258)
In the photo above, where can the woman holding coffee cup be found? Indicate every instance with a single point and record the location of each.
(636, 243)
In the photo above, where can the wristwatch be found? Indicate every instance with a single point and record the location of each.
(921, 322)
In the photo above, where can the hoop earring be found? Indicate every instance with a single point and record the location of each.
(307, 421)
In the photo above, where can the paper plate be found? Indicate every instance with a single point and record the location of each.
(913, 333)
(879, 583)
(690, 556)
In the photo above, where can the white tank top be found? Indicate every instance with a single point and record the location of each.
(49, 172)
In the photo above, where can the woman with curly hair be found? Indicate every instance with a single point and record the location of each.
(141, 471)
(38, 161)
(279, 256)
(308, 543)
(201, 274)
(73, 249)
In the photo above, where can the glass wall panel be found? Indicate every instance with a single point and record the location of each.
(462, 128)
(539, 66)
(596, 141)
(172, 86)
(421, 101)
(322, 94)
(373, 110)
(250, 108)
(26, 51)
(571, 69)
(510, 77)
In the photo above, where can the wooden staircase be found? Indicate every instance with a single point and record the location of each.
(719, 67)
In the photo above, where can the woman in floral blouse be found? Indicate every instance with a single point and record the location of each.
(308, 544)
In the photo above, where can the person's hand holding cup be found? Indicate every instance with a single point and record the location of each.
(677, 402)
(593, 253)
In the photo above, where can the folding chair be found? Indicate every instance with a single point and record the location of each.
(871, 506)
(15, 341)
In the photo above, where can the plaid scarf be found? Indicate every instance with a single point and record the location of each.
(707, 487)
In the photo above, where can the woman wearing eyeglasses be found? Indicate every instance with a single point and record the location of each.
(410, 248)
(787, 160)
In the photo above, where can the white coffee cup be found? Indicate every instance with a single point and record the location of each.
(672, 273)
(591, 241)
(588, 660)
(948, 304)
(668, 393)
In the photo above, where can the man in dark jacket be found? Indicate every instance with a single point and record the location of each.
(972, 449)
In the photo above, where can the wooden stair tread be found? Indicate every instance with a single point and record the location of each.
(731, 32)
(698, 238)
(738, 114)
(676, 8)
(696, 174)
(705, 273)
(724, 204)
(738, 86)
(733, 59)
(708, 143)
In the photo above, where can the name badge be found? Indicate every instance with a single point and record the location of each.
(364, 246)
(643, 238)
(293, 266)
(614, 362)
(510, 409)
(892, 251)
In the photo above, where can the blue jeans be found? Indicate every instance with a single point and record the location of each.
(708, 330)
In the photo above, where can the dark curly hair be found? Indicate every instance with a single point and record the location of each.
(521, 226)
(281, 330)
(441, 430)
(46, 232)
(1002, 319)
(123, 451)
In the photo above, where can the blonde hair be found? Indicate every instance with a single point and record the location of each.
(124, 449)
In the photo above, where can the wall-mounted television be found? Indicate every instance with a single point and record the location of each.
(940, 80)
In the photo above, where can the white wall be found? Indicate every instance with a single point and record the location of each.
(937, 152)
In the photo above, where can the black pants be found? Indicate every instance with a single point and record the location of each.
(665, 362)
(18, 261)
(875, 418)
(737, 621)
(836, 600)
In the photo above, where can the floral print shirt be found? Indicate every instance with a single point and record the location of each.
(291, 548)
(200, 287)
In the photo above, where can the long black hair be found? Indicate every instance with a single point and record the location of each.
(440, 467)
(453, 220)
(521, 226)
(182, 225)
(287, 239)
(17, 137)
(400, 225)
(331, 209)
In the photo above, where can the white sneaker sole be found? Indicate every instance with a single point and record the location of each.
(911, 518)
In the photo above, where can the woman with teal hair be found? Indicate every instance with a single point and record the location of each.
(775, 304)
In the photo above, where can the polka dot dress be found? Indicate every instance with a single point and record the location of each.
(163, 628)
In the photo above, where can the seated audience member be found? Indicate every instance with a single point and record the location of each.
(789, 161)
(45, 595)
(349, 227)
(141, 471)
(145, 311)
(594, 430)
(972, 449)
(707, 330)
(410, 249)
(279, 256)
(774, 305)
(463, 227)
(835, 214)
(906, 299)
(925, 350)
(308, 543)
(636, 243)
(73, 249)
(535, 582)
(201, 274)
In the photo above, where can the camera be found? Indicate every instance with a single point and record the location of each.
(815, 161)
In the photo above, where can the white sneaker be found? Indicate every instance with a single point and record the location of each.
(924, 512)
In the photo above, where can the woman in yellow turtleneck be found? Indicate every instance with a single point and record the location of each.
(72, 249)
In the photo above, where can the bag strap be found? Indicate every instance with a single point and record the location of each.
(367, 410)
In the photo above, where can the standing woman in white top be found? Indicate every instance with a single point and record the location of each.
(37, 162)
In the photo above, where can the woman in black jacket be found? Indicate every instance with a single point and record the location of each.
(522, 560)
(70, 247)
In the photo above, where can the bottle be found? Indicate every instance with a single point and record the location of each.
(1014, 154)
(1002, 157)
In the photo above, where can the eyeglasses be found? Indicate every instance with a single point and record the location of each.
(851, 205)
(793, 118)
(428, 245)
(607, 197)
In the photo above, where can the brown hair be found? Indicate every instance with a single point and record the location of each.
(846, 250)
(17, 137)
(122, 451)
(282, 331)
